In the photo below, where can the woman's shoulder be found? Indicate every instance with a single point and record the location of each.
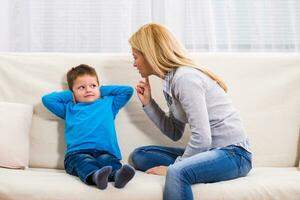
(188, 71)
(189, 74)
(186, 77)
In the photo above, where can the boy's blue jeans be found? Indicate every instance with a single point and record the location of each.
(211, 166)
(83, 163)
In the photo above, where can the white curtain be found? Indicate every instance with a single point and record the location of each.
(105, 26)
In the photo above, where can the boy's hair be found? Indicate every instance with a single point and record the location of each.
(80, 70)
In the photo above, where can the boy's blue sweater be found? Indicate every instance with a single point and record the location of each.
(90, 125)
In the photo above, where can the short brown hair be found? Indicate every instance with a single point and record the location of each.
(80, 70)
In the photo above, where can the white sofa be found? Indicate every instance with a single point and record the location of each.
(265, 88)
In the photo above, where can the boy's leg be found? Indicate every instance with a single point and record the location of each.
(83, 165)
(146, 157)
(123, 176)
(100, 177)
(120, 174)
(105, 159)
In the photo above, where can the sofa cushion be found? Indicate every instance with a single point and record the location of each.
(262, 183)
(263, 87)
(270, 183)
(15, 122)
(49, 184)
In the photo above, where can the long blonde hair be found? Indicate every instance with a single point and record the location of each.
(163, 52)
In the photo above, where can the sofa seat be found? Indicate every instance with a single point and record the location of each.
(264, 88)
(51, 184)
(262, 183)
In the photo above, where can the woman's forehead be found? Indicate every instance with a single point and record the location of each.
(135, 51)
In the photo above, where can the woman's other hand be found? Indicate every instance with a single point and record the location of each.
(159, 170)
(143, 90)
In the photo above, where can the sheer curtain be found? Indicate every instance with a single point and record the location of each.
(104, 26)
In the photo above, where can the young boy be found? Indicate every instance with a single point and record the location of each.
(89, 111)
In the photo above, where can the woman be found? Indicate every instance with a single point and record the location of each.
(218, 148)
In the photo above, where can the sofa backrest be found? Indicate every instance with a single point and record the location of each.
(264, 87)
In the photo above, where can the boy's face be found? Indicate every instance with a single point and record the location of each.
(86, 89)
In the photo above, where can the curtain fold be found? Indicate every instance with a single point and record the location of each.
(105, 26)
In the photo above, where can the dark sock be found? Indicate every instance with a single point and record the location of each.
(100, 177)
(123, 176)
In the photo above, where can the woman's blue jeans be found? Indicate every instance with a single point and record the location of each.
(83, 163)
(211, 166)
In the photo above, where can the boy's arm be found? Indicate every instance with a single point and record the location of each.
(55, 102)
(121, 93)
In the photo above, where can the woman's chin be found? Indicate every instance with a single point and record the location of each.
(143, 75)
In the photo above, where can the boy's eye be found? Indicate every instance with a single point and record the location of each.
(81, 87)
(93, 85)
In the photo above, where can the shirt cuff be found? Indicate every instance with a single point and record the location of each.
(150, 107)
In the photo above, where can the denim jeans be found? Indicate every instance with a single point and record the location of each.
(207, 167)
(83, 163)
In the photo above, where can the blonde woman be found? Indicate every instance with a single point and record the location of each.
(218, 148)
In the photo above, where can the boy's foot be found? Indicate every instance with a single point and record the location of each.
(123, 176)
(100, 177)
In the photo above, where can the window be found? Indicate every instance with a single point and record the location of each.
(105, 26)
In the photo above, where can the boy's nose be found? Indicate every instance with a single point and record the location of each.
(88, 89)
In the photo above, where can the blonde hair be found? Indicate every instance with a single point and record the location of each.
(163, 52)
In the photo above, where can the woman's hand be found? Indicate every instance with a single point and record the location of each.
(143, 90)
(159, 170)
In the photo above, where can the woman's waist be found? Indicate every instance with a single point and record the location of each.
(230, 138)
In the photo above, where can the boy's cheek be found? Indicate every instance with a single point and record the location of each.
(76, 97)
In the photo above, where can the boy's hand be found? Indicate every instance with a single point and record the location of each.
(143, 90)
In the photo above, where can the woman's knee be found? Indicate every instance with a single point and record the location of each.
(137, 153)
(174, 172)
(178, 174)
(138, 158)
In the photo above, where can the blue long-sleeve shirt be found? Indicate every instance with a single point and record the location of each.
(90, 125)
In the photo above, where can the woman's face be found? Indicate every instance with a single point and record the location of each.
(141, 64)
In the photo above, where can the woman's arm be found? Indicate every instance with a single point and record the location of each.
(167, 124)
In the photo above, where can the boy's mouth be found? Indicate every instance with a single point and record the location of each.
(89, 95)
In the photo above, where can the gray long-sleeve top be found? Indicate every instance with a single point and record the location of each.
(196, 99)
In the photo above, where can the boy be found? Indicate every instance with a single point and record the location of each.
(89, 111)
